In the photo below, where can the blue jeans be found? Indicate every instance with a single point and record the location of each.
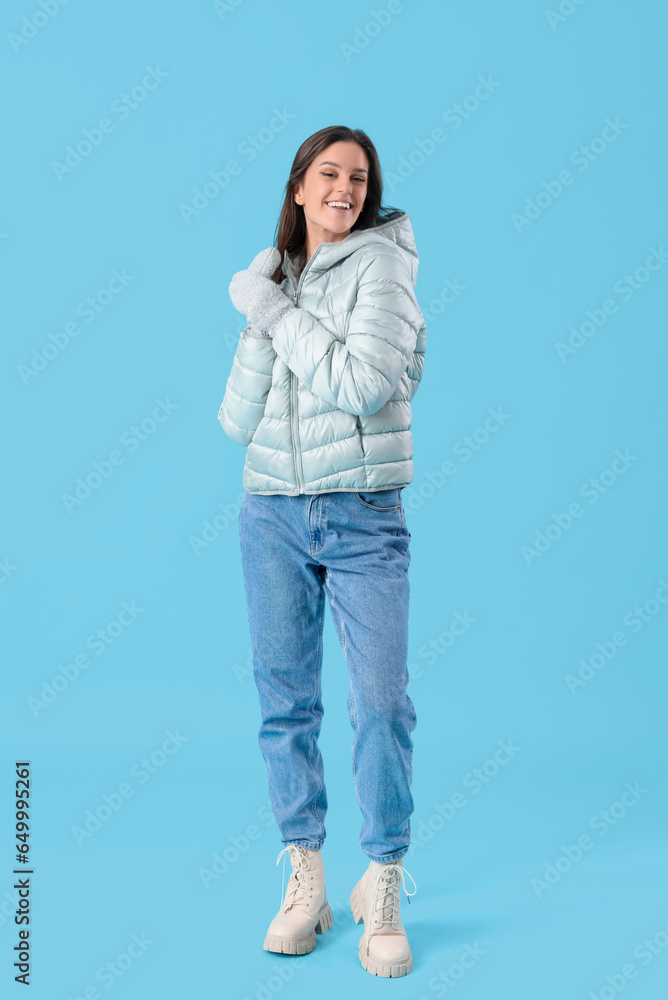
(353, 547)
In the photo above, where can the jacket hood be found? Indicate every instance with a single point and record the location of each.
(393, 228)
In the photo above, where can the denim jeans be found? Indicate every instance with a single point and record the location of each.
(354, 548)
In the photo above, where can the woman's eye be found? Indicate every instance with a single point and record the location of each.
(325, 174)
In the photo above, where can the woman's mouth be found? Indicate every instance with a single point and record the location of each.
(339, 206)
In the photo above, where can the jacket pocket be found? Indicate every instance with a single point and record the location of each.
(360, 434)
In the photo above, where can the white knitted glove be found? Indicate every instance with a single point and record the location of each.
(255, 294)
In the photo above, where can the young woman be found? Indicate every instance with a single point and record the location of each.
(320, 393)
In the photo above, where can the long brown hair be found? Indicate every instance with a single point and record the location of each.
(291, 227)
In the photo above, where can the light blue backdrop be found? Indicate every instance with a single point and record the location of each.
(527, 143)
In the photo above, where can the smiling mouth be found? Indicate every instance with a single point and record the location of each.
(338, 208)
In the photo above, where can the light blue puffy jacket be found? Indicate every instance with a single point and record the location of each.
(326, 403)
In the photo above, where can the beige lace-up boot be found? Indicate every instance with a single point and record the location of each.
(384, 949)
(304, 911)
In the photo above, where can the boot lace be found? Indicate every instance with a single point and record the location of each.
(388, 893)
(298, 891)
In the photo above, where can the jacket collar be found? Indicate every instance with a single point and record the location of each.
(395, 228)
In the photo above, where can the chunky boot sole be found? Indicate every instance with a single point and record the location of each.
(301, 946)
(368, 961)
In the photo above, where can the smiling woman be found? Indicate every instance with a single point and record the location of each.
(320, 393)
(338, 184)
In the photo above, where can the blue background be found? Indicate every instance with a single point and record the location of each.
(160, 530)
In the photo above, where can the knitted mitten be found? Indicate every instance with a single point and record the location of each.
(255, 294)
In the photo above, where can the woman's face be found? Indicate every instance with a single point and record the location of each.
(338, 174)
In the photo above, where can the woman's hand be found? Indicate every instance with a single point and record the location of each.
(255, 294)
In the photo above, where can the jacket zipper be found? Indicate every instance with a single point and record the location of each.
(296, 444)
(294, 412)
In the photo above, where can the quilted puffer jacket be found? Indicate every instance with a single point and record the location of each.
(326, 403)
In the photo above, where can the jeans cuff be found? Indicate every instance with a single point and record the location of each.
(308, 845)
(385, 859)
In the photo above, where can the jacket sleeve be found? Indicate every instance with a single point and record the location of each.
(248, 386)
(360, 375)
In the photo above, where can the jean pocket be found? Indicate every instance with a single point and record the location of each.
(382, 500)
